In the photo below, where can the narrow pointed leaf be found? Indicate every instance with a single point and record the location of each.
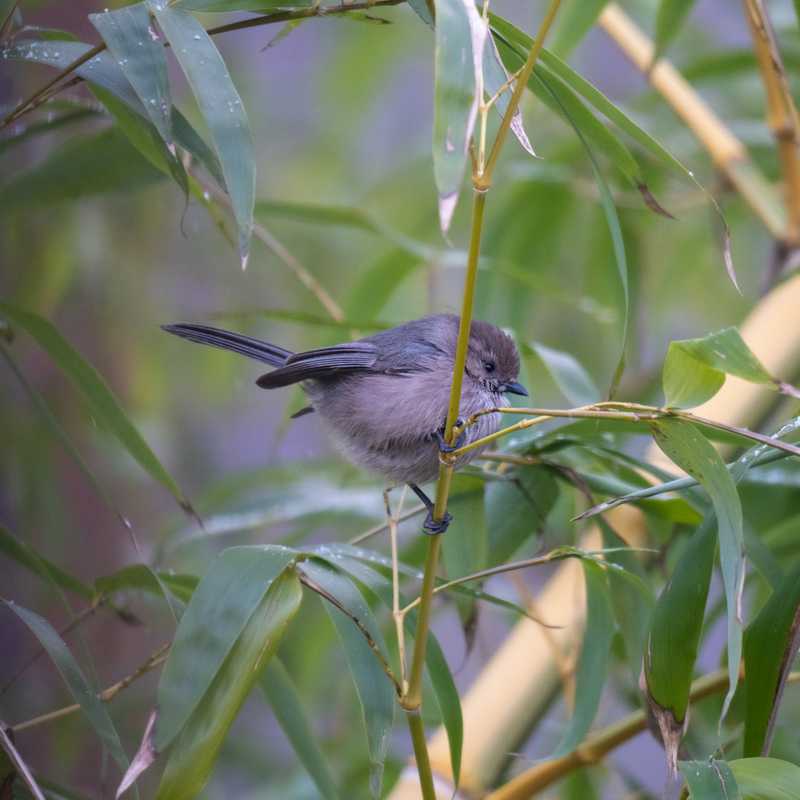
(281, 694)
(91, 706)
(766, 778)
(460, 38)
(574, 22)
(674, 637)
(99, 397)
(175, 590)
(194, 751)
(221, 107)
(140, 53)
(567, 372)
(19, 766)
(770, 647)
(670, 18)
(691, 451)
(709, 780)
(374, 689)
(221, 609)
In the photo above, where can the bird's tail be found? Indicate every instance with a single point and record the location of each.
(227, 340)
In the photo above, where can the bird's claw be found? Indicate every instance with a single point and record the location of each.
(434, 527)
(444, 447)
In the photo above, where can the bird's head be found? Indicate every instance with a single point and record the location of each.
(493, 360)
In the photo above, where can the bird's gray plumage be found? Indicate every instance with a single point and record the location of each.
(383, 398)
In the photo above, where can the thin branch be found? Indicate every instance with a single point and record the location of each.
(156, 658)
(412, 512)
(315, 587)
(54, 86)
(781, 111)
(597, 746)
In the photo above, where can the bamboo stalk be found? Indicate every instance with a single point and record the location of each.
(781, 111)
(726, 151)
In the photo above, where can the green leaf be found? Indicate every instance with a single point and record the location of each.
(221, 108)
(670, 18)
(695, 369)
(85, 166)
(569, 375)
(709, 780)
(263, 6)
(281, 693)
(28, 558)
(221, 609)
(376, 285)
(675, 630)
(691, 451)
(141, 56)
(766, 778)
(375, 691)
(141, 577)
(592, 667)
(195, 749)
(517, 509)
(770, 647)
(101, 400)
(574, 22)
(86, 697)
(460, 38)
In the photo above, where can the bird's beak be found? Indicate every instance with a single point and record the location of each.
(514, 387)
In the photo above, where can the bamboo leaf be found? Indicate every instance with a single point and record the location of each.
(195, 749)
(709, 780)
(91, 706)
(695, 369)
(221, 609)
(574, 22)
(221, 108)
(569, 375)
(766, 778)
(101, 400)
(18, 766)
(141, 577)
(28, 558)
(281, 694)
(670, 18)
(770, 647)
(691, 451)
(139, 51)
(460, 39)
(593, 660)
(674, 637)
(374, 689)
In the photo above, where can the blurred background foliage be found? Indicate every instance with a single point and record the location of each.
(95, 240)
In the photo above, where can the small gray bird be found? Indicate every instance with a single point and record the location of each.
(384, 398)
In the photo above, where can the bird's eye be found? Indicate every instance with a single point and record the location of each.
(489, 366)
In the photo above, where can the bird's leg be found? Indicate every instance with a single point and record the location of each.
(397, 614)
(431, 526)
(444, 447)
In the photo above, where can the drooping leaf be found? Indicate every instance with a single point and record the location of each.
(766, 778)
(770, 647)
(28, 558)
(86, 697)
(709, 780)
(221, 609)
(670, 18)
(195, 749)
(140, 53)
(373, 686)
(460, 38)
(691, 451)
(173, 589)
(104, 405)
(695, 369)
(221, 107)
(82, 167)
(281, 693)
(675, 629)
(567, 372)
(17, 765)
(592, 667)
(574, 21)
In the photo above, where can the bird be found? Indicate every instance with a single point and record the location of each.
(384, 398)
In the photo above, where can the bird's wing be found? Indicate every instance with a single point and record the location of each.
(350, 357)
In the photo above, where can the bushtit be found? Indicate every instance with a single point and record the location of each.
(384, 398)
